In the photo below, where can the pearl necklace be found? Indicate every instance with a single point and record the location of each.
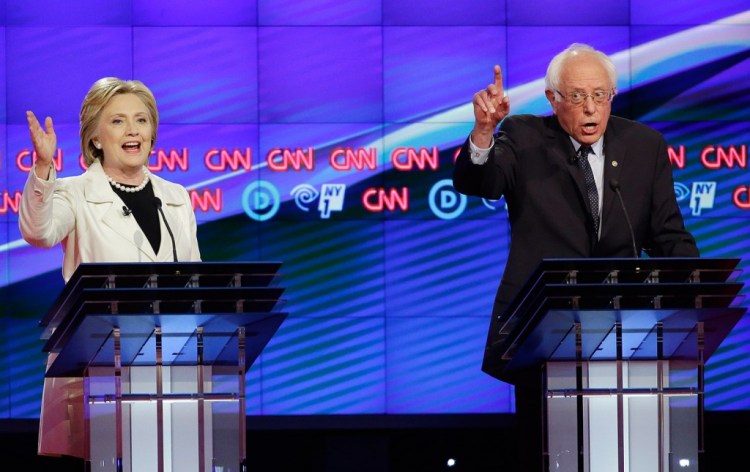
(123, 188)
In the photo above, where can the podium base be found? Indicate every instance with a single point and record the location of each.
(629, 416)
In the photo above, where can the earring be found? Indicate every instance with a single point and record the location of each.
(97, 144)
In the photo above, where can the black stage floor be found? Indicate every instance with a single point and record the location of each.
(387, 443)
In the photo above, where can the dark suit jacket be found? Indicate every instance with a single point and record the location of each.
(533, 166)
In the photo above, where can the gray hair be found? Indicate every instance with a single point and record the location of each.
(552, 79)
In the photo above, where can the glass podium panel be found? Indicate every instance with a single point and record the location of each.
(656, 430)
(163, 349)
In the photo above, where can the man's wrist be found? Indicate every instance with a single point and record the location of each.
(482, 138)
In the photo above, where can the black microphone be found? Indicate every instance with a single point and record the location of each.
(157, 202)
(615, 185)
(126, 211)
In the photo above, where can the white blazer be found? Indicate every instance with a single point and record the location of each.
(85, 215)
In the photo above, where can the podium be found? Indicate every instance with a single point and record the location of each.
(621, 346)
(163, 349)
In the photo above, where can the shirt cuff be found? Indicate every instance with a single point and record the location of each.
(480, 155)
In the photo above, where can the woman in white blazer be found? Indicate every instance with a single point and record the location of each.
(114, 212)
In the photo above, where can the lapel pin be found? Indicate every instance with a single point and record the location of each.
(614, 163)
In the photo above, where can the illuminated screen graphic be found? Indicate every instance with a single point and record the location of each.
(322, 134)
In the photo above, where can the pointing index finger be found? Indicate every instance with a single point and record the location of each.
(498, 78)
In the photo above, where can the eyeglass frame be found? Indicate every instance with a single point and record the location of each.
(609, 97)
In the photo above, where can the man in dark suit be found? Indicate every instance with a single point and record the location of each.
(534, 162)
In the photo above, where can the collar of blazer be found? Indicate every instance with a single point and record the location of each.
(97, 190)
(614, 158)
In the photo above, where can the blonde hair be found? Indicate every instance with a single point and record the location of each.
(97, 98)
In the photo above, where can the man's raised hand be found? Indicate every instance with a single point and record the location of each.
(491, 105)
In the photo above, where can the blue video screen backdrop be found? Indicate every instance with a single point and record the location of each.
(322, 134)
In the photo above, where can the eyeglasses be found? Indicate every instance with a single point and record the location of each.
(600, 97)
